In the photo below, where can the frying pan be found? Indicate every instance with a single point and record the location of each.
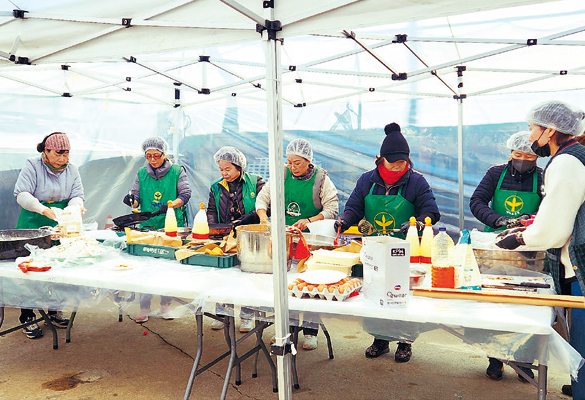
(134, 218)
(12, 241)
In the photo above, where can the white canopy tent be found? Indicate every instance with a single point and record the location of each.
(185, 54)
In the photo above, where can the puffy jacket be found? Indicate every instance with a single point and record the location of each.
(224, 201)
(415, 189)
(484, 193)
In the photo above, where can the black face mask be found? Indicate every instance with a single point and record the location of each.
(523, 166)
(543, 151)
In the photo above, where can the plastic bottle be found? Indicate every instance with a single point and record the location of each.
(425, 245)
(465, 260)
(443, 270)
(412, 238)
(200, 226)
(109, 222)
(170, 221)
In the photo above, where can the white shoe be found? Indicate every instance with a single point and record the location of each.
(143, 315)
(165, 313)
(246, 325)
(310, 342)
(216, 325)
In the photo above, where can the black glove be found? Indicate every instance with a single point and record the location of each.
(502, 221)
(163, 209)
(511, 241)
(341, 225)
(510, 231)
(524, 216)
(247, 219)
(129, 200)
(405, 225)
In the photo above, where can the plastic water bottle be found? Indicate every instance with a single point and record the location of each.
(412, 238)
(465, 260)
(425, 245)
(200, 226)
(109, 222)
(170, 221)
(443, 270)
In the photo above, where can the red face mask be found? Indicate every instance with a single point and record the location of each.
(391, 177)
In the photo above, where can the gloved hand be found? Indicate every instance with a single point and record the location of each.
(525, 216)
(510, 231)
(341, 225)
(511, 241)
(247, 219)
(163, 209)
(129, 200)
(502, 221)
(405, 225)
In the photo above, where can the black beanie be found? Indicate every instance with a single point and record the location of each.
(394, 147)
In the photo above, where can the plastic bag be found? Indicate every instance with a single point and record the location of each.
(466, 264)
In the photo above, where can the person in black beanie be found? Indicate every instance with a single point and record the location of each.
(395, 191)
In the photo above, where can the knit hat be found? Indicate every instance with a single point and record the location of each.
(155, 143)
(394, 147)
(58, 141)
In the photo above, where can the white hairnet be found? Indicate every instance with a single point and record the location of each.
(230, 154)
(519, 142)
(559, 116)
(300, 147)
(156, 143)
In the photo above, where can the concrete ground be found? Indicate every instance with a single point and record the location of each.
(108, 359)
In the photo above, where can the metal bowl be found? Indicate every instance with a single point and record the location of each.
(531, 260)
(12, 241)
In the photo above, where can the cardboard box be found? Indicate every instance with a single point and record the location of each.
(386, 262)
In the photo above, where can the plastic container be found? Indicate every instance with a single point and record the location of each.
(151, 250)
(412, 238)
(200, 226)
(207, 260)
(425, 245)
(443, 269)
(170, 221)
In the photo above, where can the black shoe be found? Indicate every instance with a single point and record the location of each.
(528, 372)
(568, 390)
(32, 331)
(403, 352)
(379, 347)
(495, 370)
(59, 320)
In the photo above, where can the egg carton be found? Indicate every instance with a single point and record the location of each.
(324, 293)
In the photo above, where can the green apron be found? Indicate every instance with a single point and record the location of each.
(513, 203)
(387, 212)
(154, 193)
(33, 220)
(298, 198)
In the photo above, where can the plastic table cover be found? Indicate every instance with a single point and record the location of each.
(508, 331)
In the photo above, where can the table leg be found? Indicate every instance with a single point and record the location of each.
(231, 331)
(1, 316)
(266, 353)
(329, 345)
(542, 377)
(295, 340)
(199, 319)
(53, 330)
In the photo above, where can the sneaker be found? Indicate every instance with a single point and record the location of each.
(32, 331)
(142, 316)
(165, 313)
(216, 325)
(403, 352)
(246, 325)
(527, 371)
(310, 342)
(376, 349)
(568, 390)
(495, 370)
(59, 320)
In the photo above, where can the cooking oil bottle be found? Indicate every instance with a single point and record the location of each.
(200, 226)
(412, 238)
(170, 221)
(425, 245)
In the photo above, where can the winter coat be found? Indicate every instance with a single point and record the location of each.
(224, 201)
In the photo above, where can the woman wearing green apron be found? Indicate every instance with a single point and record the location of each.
(45, 182)
(386, 197)
(157, 183)
(513, 189)
(309, 196)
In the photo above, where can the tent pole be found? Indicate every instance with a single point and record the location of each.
(279, 250)
(460, 96)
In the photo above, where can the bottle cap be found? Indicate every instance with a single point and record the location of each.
(443, 229)
(170, 204)
(412, 221)
(427, 221)
(202, 206)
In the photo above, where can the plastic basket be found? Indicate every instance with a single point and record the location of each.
(207, 260)
(151, 250)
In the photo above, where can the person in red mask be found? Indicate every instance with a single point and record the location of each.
(385, 198)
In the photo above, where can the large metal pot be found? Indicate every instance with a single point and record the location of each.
(12, 241)
(532, 260)
(255, 248)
